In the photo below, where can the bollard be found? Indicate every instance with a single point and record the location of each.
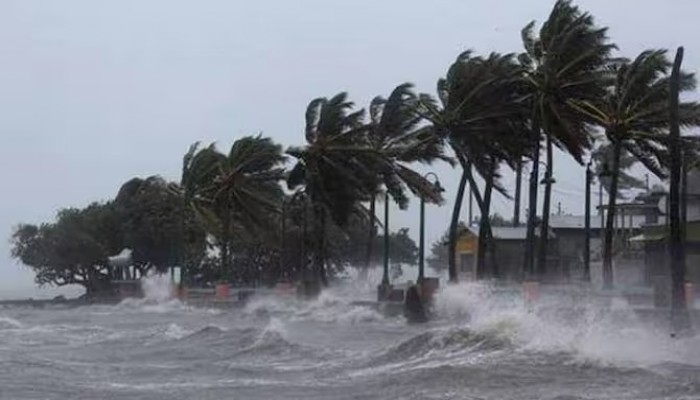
(428, 287)
(182, 292)
(223, 291)
(531, 291)
(689, 295)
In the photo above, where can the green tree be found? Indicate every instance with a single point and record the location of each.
(603, 157)
(73, 250)
(564, 64)
(395, 134)
(635, 116)
(234, 195)
(481, 117)
(151, 213)
(336, 168)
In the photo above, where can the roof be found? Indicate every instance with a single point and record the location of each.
(579, 221)
(508, 232)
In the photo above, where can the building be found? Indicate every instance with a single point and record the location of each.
(508, 255)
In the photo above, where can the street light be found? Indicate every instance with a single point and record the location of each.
(547, 177)
(421, 248)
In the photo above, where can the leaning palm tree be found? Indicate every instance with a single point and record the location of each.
(234, 194)
(634, 114)
(603, 157)
(563, 64)
(336, 168)
(481, 118)
(395, 134)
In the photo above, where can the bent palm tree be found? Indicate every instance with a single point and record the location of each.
(234, 194)
(336, 168)
(481, 117)
(393, 132)
(563, 64)
(635, 116)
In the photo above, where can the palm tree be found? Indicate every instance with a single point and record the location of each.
(234, 194)
(395, 134)
(563, 64)
(481, 117)
(634, 114)
(337, 168)
(603, 157)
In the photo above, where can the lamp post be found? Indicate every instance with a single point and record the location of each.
(421, 248)
(587, 243)
(547, 181)
(607, 248)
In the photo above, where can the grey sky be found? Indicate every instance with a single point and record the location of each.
(93, 93)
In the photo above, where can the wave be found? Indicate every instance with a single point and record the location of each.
(582, 324)
(329, 307)
(9, 323)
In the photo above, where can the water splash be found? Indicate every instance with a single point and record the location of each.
(581, 323)
(157, 288)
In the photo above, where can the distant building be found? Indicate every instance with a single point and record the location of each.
(509, 252)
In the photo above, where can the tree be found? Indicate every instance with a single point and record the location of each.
(635, 115)
(234, 195)
(72, 250)
(395, 134)
(564, 64)
(154, 225)
(481, 117)
(602, 157)
(336, 168)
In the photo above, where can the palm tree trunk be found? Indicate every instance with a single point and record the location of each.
(484, 231)
(319, 259)
(529, 262)
(385, 275)
(225, 246)
(546, 210)
(680, 319)
(609, 223)
(454, 223)
(518, 189)
(371, 234)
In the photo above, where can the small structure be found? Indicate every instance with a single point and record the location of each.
(509, 252)
(571, 236)
(125, 285)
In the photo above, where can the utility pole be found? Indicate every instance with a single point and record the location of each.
(587, 243)
(518, 186)
(680, 319)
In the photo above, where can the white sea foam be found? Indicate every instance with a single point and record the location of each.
(583, 324)
(9, 323)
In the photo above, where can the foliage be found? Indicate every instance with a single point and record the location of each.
(394, 133)
(234, 195)
(155, 226)
(602, 158)
(72, 250)
(564, 66)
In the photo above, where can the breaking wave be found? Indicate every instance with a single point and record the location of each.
(578, 323)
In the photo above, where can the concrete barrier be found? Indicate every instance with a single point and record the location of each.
(428, 287)
(223, 291)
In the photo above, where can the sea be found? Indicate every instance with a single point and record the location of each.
(482, 342)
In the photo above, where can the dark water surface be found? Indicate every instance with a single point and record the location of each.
(482, 345)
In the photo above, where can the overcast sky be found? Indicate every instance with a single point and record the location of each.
(93, 93)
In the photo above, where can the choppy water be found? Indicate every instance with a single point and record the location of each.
(482, 345)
